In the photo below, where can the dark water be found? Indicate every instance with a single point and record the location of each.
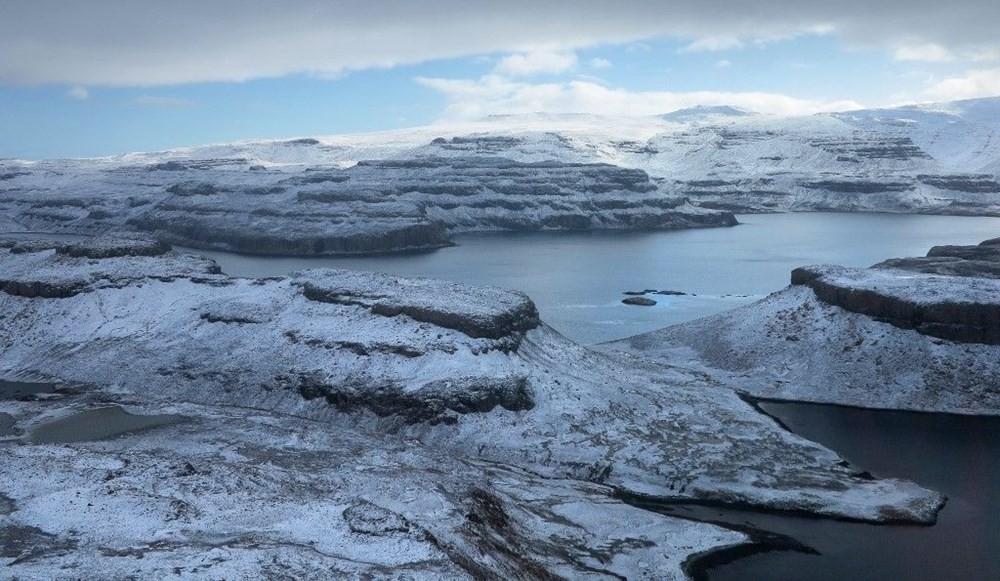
(97, 424)
(17, 389)
(577, 278)
(956, 455)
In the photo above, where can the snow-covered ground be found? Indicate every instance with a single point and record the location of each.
(367, 423)
(914, 334)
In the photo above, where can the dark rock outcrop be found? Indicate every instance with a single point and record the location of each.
(639, 301)
(435, 402)
(938, 306)
(117, 244)
(479, 312)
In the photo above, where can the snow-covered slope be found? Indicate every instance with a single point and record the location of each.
(917, 333)
(311, 195)
(462, 369)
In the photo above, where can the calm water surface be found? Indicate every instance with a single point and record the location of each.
(577, 278)
(956, 455)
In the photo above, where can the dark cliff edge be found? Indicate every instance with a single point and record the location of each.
(949, 294)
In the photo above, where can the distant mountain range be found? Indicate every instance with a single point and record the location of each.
(414, 187)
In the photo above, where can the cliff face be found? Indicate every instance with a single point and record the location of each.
(966, 311)
(374, 206)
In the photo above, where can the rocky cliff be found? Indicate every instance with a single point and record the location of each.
(374, 206)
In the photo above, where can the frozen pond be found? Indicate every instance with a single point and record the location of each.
(97, 424)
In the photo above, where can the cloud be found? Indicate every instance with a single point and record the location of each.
(929, 53)
(78, 93)
(537, 62)
(493, 94)
(599, 63)
(972, 84)
(713, 44)
(722, 64)
(129, 43)
(164, 102)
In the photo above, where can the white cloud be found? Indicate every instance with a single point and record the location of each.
(929, 53)
(972, 84)
(538, 62)
(712, 44)
(599, 63)
(129, 43)
(78, 93)
(984, 55)
(492, 94)
(722, 64)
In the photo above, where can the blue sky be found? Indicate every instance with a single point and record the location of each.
(71, 89)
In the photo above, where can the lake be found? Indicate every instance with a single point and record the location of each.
(956, 455)
(577, 278)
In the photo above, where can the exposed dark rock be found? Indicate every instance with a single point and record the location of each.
(195, 189)
(858, 186)
(639, 301)
(7, 505)
(985, 251)
(117, 244)
(971, 183)
(434, 402)
(26, 543)
(871, 147)
(366, 518)
(982, 260)
(946, 265)
(970, 319)
(479, 312)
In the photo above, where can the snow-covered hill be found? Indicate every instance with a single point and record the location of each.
(522, 172)
(911, 333)
(366, 423)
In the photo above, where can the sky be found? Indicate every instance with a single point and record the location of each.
(104, 77)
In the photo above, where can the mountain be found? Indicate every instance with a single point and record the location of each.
(413, 188)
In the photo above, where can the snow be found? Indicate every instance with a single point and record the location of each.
(793, 345)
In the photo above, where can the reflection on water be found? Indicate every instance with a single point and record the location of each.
(97, 424)
(577, 278)
(956, 455)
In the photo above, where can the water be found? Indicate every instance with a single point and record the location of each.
(955, 455)
(577, 278)
(18, 389)
(97, 424)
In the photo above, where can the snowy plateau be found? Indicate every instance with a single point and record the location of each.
(332, 424)
(411, 189)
